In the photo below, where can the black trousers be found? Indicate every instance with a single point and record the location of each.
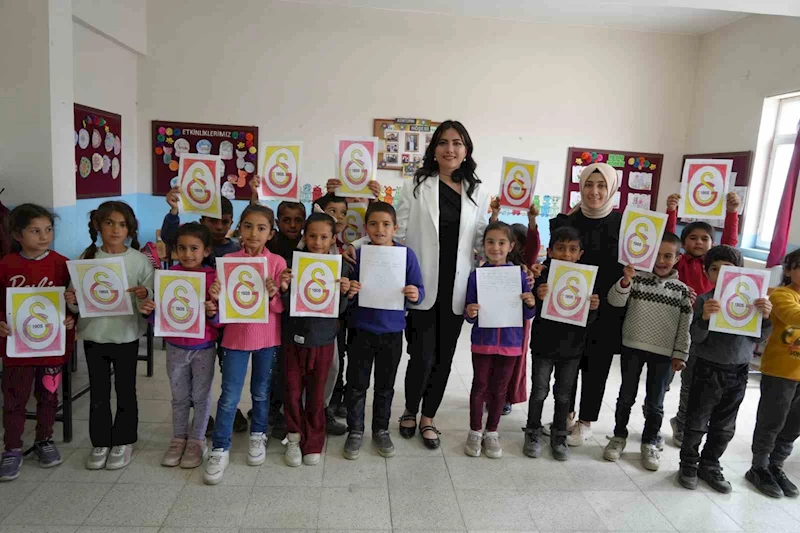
(385, 350)
(343, 342)
(432, 338)
(100, 358)
(602, 342)
(566, 373)
(715, 395)
(777, 422)
(658, 367)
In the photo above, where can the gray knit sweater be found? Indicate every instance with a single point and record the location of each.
(659, 314)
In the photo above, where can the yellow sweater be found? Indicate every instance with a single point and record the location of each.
(781, 358)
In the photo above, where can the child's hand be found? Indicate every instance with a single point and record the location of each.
(214, 290)
(285, 279)
(332, 184)
(411, 292)
(355, 287)
(272, 289)
(494, 205)
(764, 306)
(537, 270)
(533, 212)
(672, 202)
(541, 292)
(349, 255)
(529, 275)
(528, 299)
(344, 285)
(709, 308)
(69, 297)
(139, 291)
(678, 365)
(692, 296)
(69, 322)
(472, 310)
(375, 188)
(5, 331)
(733, 202)
(173, 199)
(628, 273)
(147, 307)
(255, 183)
(594, 302)
(211, 309)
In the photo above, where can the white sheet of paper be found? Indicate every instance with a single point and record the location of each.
(576, 173)
(382, 273)
(499, 290)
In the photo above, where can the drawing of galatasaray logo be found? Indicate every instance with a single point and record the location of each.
(315, 290)
(244, 293)
(37, 327)
(179, 308)
(102, 290)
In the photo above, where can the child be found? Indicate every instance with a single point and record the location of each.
(309, 356)
(556, 348)
(655, 333)
(113, 341)
(778, 419)
(377, 336)
(719, 380)
(494, 350)
(190, 362)
(239, 342)
(31, 264)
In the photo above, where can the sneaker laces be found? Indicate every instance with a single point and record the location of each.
(46, 446)
(715, 475)
(651, 452)
(99, 450)
(118, 450)
(9, 458)
(615, 443)
(777, 473)
(257, 442)
(215, 458)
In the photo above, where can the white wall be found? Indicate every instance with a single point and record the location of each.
(306, 72)
(122, 20)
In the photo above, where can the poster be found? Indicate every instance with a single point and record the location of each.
(382, 271)
(180, 304)
(356, 165)
(736, 291)
(640, 237)
(402, 143)
(198, 181)
(518, 180)
(98, 153)
(703, 188)
(570, 289)
(243, 295)
(315, 291)
(356, 223)
(499, 290)
(101, 287)
(280, 171)
(36, 318)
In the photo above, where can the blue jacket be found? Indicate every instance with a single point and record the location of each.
(497, 341)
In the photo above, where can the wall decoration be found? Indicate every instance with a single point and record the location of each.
(403, 142)
(97, 140)
(237, 146)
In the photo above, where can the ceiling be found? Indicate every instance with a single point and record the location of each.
(666, 16)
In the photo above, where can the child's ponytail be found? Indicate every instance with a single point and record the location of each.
(91, 251)
(99, 215)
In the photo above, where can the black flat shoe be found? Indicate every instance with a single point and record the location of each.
(408, 432)
(431, 444)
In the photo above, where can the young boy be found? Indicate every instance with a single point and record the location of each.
(719, 380)
(556, 347)
(655, 333)
(377, 335)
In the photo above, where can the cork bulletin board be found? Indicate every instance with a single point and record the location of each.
(98, 153)
(403, 142)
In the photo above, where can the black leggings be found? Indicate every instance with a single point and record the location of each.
(603, 341)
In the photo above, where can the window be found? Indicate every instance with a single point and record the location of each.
(784, 137)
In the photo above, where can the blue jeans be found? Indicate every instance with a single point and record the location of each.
(234, 369)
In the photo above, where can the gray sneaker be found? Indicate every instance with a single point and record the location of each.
(383, 441)
(532, 446)
(491, 445)
(98, 458)
(120, 457)
(651, 458)
(10, 465)
(614, 448)
(560, 449)
(47, 453)
(352, 446)
(473, 444)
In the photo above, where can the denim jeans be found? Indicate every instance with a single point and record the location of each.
(566, 373)
(234, 370)
(658, 367)
(777, 422)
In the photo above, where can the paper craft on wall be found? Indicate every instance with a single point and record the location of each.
(356, 165)
(198, 181)
(355, 224)
(180, 309)
(98, 153)
(640, 237)
(736, 291)
(402, 143)
(279, 169)
(101, 287)
(315, 290)
(383, 275)
(243, 294)
(36, 318)
(703, 188)
(570, 289)
(517, 182)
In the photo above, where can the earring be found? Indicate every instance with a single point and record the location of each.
(434, 159)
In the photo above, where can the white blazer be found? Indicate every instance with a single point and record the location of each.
(418, 227)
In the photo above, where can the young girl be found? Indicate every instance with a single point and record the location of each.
(114, 341)
(309, 356)
(494, 350)
(778, 419)
(190, 362)
(239, 342)
(31, 264)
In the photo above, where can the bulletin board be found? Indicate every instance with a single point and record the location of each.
(639, 176)
(238, 146)
(742, 168)
(98, 153)
(403, 142)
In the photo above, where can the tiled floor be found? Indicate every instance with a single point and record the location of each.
(417, 490)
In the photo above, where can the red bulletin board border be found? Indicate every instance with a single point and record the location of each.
(97, 184)
(165, 133)
(574, 153)
(742, 165)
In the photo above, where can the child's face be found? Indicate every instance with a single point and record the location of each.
(219, 227)
(290, 222)
(667, 257)
(497, 245)
(37, 236)
(381, 228)
(339, 213)
(191, 252)
(255, 230)
(698, 243)
(569, 251)
(713, 271)
(318, 237)
(114, 230)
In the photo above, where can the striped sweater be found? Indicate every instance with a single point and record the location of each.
(659, 314)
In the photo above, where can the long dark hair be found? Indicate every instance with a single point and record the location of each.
(21, 217)
(430, 167)
(790, 262)
(101, 214)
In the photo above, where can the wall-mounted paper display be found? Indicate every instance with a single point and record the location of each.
(736, 291)
(703, 188)
(356, 165)
(640, 237)
(243, 295)
(101, 287)
(315, 291)
(36, 318)
(518, 180)
(180, 309)
(279, 169)
(199, 183)
(570, 289)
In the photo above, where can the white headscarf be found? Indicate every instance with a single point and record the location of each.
(612, 184)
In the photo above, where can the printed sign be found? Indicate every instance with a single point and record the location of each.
(570, 288)
(36, 319)
(736, 291)
(180, 309)
(101, 287)
(356, 165)
(314, 290)
(199, 182)
(280, 171)
(243, 295)
(356, 224)
(517, 183)
(703, 188)
(640, 237)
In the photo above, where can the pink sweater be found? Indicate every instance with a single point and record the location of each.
(251, 337)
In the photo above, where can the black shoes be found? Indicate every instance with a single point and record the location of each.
(687, 477)
(333, 426)
(240, 424)
(431, 444)
(763, 480)
(383, 441)
(408, 432)
(789, 489)
(715, 479)
(210, 427)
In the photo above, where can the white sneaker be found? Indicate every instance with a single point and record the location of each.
(578, 434)
(491, 444)
(651, 458)
(311, 459)
(258, 449)
(215, 466)
(292, 456)
(97, 459)
(614, 448)
(119, 457)
(473, 445)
